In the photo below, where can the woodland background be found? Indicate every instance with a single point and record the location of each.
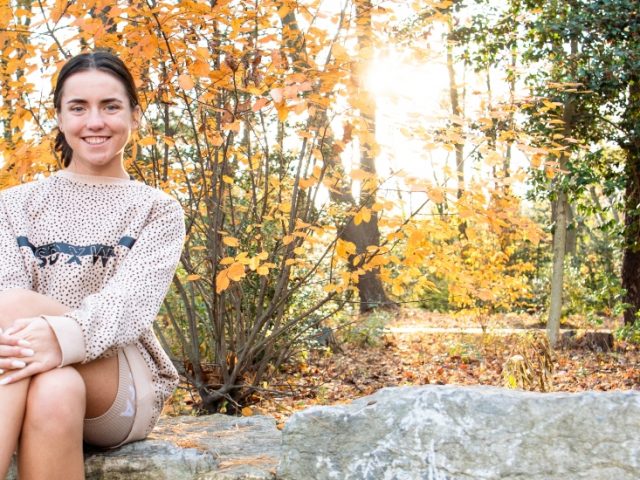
(339, 159)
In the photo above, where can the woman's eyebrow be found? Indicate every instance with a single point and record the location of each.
(104, 100)
(111, 100)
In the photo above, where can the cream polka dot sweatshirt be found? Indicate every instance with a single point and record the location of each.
(105, 247)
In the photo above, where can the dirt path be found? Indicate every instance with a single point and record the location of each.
(412, 329)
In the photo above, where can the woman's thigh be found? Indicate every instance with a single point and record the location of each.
(110, 425)
(19, 303)
(101, 381)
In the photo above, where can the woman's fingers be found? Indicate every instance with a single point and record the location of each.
(7, 364)
(26, 372)
(19, 324)
(7, 338)
(42, 355)
(15, 351)
(13, 341)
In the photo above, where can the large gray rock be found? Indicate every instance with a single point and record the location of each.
(214, 447)
(473, 433)
(431, 433)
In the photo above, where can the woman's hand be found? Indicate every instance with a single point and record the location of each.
(12, 349)
(43, 345)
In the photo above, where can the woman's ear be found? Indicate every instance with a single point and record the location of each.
(137, 114)
(59, 121)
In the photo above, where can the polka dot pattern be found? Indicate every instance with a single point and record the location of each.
(74, 224)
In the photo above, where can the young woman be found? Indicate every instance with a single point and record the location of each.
(87, 257)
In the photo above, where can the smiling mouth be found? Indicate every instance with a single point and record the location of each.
(95, 140)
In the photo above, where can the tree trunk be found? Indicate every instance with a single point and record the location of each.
(571, 242)
(370, 287)
(562, 213)
(457, 113)
(631, 256)
(557, 277)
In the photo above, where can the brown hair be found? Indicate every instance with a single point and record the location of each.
(102, 61)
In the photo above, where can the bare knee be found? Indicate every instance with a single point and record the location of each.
(56, 401)
(13, 302)
(20, 303)
(15, 296)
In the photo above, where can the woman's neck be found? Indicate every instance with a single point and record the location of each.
(114, 172)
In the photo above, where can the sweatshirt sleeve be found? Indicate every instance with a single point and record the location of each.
(128, 304)
(13, 273)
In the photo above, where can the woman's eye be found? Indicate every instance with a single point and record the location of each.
(112, 107)
(77, 108)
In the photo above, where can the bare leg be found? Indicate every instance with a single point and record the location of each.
(12, 405)
(13, 398)
(18, 401)
(101, 380)
(51, 440)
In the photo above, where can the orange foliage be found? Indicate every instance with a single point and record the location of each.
(217, 84)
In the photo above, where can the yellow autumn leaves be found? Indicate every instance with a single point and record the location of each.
(235, 272)
(237, 266)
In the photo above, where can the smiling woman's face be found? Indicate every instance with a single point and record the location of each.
(97, 119)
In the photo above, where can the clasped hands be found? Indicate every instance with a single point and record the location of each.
(27, 347)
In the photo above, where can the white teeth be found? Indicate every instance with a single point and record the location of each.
(95, 140)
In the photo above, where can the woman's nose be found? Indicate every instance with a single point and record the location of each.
(95, 119)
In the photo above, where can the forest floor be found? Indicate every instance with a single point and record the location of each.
(418, 348)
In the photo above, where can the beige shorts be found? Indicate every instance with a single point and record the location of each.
(113, 427)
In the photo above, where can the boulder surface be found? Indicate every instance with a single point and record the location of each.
(213, 447)
(406, 433)
(469, 433)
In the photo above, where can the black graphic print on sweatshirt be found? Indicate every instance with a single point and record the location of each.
(50, 253)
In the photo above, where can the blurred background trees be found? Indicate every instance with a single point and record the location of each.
(339, 157)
